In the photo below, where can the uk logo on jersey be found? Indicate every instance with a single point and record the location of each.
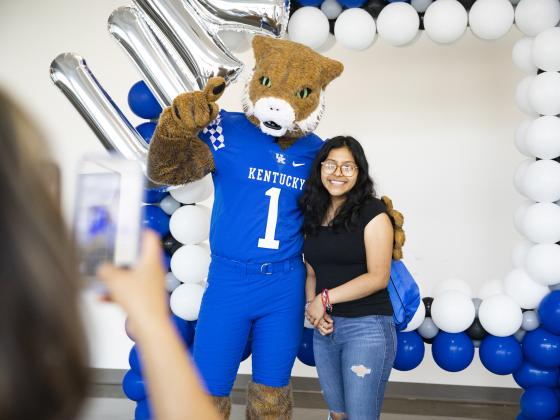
(280, 158)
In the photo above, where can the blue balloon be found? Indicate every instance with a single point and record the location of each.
(305, 352)
(452, 352)
(410, 350)
(539, 403)
(156, 219)
(549, 312)
(314, 3)
(352, 3)
(143, 410)
(146, 130)
(142, 102)
(133, 386)
(185, 330)
(134, 360)
(542, 348)
(154, 196)
(501, 355)
(529, 375)
(248, 349)
(166, 261)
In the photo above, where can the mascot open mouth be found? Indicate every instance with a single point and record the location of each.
(272, 125)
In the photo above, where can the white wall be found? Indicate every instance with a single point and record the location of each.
(437, 123)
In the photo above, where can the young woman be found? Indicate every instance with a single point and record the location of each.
(348, 248)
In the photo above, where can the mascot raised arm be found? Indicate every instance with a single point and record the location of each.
(259, 161)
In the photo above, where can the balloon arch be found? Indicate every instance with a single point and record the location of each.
(178, 45)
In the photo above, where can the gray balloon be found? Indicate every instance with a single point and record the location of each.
(428, 329)
(530, 321)
(169, 205)
(554, 287)
(476, 343)
(421, 5)
(476, 302)
(520, 333)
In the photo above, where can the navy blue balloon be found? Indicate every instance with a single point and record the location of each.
(352, 3)
(410, 350)
(501, 355)
(314, 3)
(143, 410)
(156, 219)
(539, 403)
(142, 102)
(134, 360)
(166, 261)
(146, 130)
(185, 330)
(542, 348)
(133, 386)
(549, 312)
(452, 352)
(154, 196)
(529, 375)
(248, 349)
(305, 352)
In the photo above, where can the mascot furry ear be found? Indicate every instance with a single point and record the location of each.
(284, 98)
(397, 219)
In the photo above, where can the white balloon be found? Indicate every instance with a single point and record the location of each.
(519, 253)
(453, 284)
(544, 93)
(309, 26)
(355, 29)
(491, 288)
(234, 40)
(534, 16)
(169, 205)
(521, 138)
(445, 21)
(331, 9)
(194, 192)
(521, 288)
(190, 264)
(452, 311)
(541, 181)
(491, 19)
(546, 50)
(421, 5)
(543, 263)
(522, 95)
(190, 224)
(541, 223)
(185, 301)
(519, 215)
(543, 137)
(522, 55)
(519, 176)
(417, 319)
(398, 23)
(500, 315)
(171, 282)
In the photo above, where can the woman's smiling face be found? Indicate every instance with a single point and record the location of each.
(345, 174)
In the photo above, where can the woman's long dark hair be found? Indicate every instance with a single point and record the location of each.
(43, 349)
(316, 199)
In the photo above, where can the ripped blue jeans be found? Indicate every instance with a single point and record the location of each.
(354, 363)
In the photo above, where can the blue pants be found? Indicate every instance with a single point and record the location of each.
(265, 300)
(354, 363)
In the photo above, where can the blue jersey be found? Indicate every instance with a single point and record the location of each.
(257, 185)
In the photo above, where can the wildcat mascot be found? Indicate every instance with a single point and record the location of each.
(259, 161)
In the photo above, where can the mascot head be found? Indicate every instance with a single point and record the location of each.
(285, 94)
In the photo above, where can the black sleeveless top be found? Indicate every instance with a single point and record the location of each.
(340, 256)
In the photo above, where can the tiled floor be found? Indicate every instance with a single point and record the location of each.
(122, 409)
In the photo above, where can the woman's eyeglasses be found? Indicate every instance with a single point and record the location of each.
(329, 167)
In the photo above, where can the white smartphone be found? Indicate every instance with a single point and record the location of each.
(108, 213)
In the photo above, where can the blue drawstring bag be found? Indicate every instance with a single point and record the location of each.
(404, 294)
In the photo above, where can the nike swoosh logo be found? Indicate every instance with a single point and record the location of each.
(297, 164)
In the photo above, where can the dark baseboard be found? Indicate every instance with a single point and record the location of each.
(307, 393)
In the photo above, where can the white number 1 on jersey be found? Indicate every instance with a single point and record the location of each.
(268, 241)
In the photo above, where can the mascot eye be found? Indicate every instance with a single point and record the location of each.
(265, 81)
(304, 93)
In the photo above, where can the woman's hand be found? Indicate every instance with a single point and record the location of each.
(326, 325)
(140, 290)
(315, 311)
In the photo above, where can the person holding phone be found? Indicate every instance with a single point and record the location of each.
(348, 248)
(44, 355)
